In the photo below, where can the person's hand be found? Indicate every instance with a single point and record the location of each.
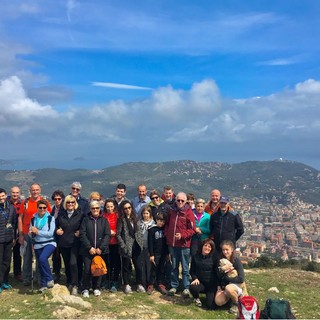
(77, 233)
(195, 282)
(21, 239)
(178, 236)
(59, 232)
(198, 230)
(113, 233)
(92, 251)
(98, 251)
(151, 259)
(34, 230)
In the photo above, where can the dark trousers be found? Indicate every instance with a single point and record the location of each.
(17, 261)
(137, 262)
(70, 259)
(158, 270)
(5, 260)
(56, 261)
(87, 276)
(209, 290)
(146, 267)
(112, 260)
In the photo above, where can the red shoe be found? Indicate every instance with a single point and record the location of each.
(150, 289)
(162, 288)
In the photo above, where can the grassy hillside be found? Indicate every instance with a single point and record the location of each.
(301, 288)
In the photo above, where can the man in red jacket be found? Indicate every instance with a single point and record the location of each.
(179, 229)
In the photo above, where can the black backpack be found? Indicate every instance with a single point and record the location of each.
(277, 309)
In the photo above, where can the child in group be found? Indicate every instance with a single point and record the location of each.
(229, 287)
(145, 224)
(158, 252)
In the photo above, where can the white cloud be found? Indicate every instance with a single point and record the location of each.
(308, 86)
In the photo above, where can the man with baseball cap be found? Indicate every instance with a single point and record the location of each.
(225, 223)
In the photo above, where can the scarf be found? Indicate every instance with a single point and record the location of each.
(40, 222)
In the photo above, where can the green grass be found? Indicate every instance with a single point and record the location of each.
(301, 288)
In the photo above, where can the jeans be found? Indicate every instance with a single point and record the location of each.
(180, 255)
(43, 254)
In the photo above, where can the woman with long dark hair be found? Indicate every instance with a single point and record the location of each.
(130, 241)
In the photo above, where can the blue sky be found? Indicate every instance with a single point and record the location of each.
(98, 83)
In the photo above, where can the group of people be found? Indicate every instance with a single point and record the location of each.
(156, 233)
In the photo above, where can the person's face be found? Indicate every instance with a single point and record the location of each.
(146, 216)
(142, 191)
(160, 222)
(127, 209)
(35, 191)
(57, 200)
(120, 193)
(223, 207)
(206, 249)
(70, 204)
(3, 197)
(215, 196)
(199, 207)
(15, 193)
(75, 191)
(190, 202)
(155, 199)
(42, 209)
(95, 211)
(181, 201)
(227, 251)
(168, 194)
(109, 207)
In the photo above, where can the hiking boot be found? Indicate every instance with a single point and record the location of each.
(43, 289)
(74, 291)
(50, 284)
(113, 289)
(233, 309)
(186, 293)
(96, 292)
(172, 292)
(197, 302)
(150, 289)
(162, 289)
(6, 286)
(127, 289)
(85, 293)
(18, 277)
(140, 288)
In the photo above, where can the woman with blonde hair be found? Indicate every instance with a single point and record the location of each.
(68, 231)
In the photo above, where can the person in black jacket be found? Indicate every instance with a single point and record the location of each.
(202, 271)
(225, 224)
(7, 235)
(68, 231)
(94, 237)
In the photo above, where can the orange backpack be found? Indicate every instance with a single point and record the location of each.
(98, 266)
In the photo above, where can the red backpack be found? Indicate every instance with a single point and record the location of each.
(248, 308)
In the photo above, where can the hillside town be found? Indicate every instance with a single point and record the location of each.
(289, 231)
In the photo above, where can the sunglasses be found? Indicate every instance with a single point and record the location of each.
(182, 201)
(154, 198)
(55, 199)
(70, 202)
(42, 208)
(127, 208)
(95, 208)
(73, 188)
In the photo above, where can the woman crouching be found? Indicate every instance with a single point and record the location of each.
(230, 281)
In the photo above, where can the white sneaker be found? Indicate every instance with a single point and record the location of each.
(127, 289)
(186, 293)
(50, 284)
(74, 291)
(140, 288)
(85, 293)
(96, 292)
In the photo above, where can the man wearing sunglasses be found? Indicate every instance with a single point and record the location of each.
(179, 229)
